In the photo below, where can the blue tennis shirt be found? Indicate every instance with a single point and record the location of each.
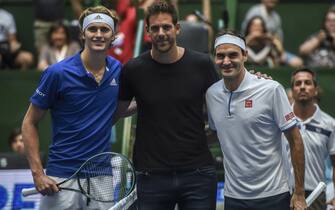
(81, 112)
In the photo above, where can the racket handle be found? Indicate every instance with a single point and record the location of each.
(29, 191)
(315, 194)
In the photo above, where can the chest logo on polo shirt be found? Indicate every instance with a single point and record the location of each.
(113, 82)
(248, 103)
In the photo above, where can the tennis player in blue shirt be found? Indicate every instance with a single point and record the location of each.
(81, 93)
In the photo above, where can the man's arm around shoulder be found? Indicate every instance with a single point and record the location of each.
(124, 109)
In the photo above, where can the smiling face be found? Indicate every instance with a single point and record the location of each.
(162, 32)
(230, 60)
(303, 87)
(98, 36)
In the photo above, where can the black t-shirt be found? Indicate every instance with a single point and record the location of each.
(170, 97)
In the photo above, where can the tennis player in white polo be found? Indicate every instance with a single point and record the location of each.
(249, 116)
(318, 132)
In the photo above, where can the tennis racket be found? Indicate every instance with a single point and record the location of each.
(315, 193)
(126, 202)
(105, 177)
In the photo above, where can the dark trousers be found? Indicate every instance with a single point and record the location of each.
(190, 190)
(276, 202)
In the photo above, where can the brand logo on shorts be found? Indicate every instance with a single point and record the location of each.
(248, 103)
(113, 82)
(289, 116)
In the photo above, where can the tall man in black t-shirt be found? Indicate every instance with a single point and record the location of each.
(169, 84)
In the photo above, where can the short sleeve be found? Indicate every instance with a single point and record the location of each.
(331, 142)
(126, 93)
(46, 93)
(282, 110)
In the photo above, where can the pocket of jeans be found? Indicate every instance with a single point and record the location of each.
(207, 171)
(142, 173)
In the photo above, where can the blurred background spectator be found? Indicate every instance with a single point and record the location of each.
(197, 28)
(47, 12)
(266, 9)
(15, 141)
(124, 44)
(58, 46)
(11, 54)
(319, 49)
(79, 6)
(17, 158)
(264, 49)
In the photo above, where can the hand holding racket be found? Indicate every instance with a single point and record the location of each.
(45, 184)
(314, 195)
(105, 177)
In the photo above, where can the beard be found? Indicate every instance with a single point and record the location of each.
(163, 49)
(305, 101)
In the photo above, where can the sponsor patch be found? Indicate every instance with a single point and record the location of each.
(39, 92)
(289, 116)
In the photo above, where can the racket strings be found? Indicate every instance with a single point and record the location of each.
(107, 178)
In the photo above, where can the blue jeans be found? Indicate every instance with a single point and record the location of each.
(190, 190)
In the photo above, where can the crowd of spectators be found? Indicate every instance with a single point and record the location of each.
(11, 53)
(262, 27)
(263, 47)
(319, 49)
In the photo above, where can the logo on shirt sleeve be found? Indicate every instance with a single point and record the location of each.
(39, 93)
(248, 103)
(289, 116)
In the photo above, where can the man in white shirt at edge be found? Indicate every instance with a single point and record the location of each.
(317, 129)
(249, 115)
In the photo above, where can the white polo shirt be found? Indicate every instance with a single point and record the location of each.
(249, 122)
(319, 141)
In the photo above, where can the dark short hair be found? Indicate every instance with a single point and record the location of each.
(231, 32)
(307, 70)
(247, 30)
(162, 7)
(55, 27)
(13, 134)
